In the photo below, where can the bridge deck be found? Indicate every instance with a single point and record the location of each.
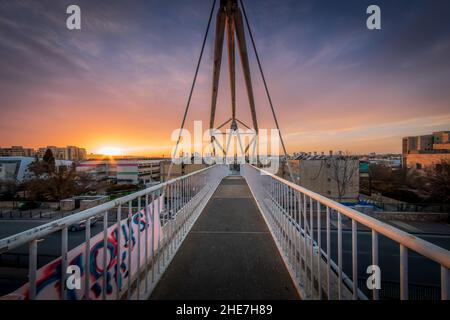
(229, 253)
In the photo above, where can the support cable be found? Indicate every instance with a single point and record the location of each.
(192, 89)
(267, 90)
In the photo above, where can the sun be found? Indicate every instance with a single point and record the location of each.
(110, 151)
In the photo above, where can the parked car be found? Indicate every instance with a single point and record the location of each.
(28, 205)
(82, 225)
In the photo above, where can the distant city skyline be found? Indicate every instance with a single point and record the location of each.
(122, 81)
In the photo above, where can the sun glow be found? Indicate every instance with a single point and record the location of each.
(110, 151)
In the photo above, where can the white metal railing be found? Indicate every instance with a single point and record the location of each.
(128, 256)
(292, 212)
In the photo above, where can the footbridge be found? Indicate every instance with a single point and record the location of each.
(219, 234)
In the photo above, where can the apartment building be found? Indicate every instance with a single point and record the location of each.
(421, 152)
(71, 153)
(122, 170)
(17, 168)
(333, 176)
(17, 151)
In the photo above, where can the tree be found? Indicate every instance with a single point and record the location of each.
(438, 182)
(51, 183)
(8, 190)
(46, 167)
(343, 169)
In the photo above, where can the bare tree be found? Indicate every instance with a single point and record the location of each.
(343, 168)
(438, 183)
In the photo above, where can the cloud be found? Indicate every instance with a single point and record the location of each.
(126, 75)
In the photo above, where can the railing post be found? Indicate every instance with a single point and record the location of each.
(340, 255)
(138, 249)
(87, 259)
(147, 225)
(375, 292)
(355, 258)
(328, 254)
(105, 254)
(64, 240)
(311, 249)
(403, 272)
(319, 252)
(118, 250)
(445, 284)
(153, 236)
(32, 267)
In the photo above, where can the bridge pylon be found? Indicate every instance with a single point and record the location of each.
(230, 21)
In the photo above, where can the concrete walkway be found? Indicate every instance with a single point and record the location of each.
(229, 253)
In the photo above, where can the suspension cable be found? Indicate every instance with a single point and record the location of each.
(192, 89)
(267, 90)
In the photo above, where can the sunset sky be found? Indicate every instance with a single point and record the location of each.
(122, 81)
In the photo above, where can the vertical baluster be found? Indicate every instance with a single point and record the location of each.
(355, 259)
(119, 250)
(375, 259)
(300, 226)
(158, 216)
(147, 225)
(177, 194)
(164, 227)
(296, 237)
(277, 210)
(328, 254)
(181, 209)
(445, 284)
(403, 272)
(272, 203)
(138, 256)
(153, 209)
(87, 259)
(171, 218)
(130, 247)
(186, 216)
(64, 240)
(279, 215)
(285, 220)
(340, 254)
(319, 253)
(282, 216)
(32, 267)
(305, 239)
(292, 227)
(105, 254)
(311, 252)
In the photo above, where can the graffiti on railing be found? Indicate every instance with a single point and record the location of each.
(48, 285)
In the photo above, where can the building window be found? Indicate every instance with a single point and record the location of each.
(418, 166)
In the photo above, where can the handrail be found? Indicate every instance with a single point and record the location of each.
(24, 237)
(423, 247)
